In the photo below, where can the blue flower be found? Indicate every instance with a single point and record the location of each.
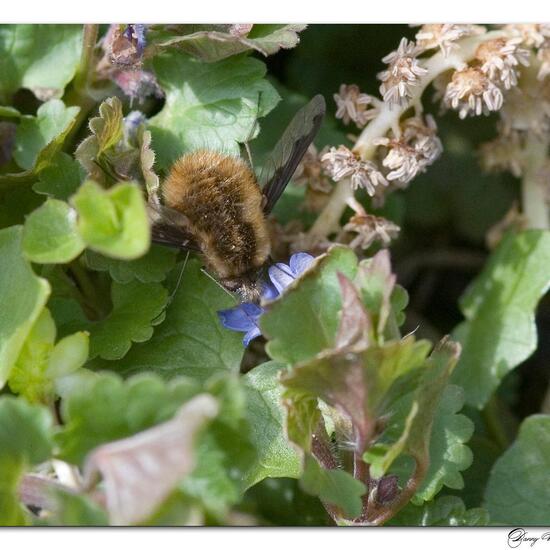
(245, 316)
(282, 275)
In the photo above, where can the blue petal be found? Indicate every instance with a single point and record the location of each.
(250, 335)
(241, 318)
(299, 262)
(281, 276)
(269, 292)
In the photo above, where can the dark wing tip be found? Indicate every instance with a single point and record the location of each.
(312, 113)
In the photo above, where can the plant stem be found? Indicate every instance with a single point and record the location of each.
(388, 118)
(85, 68)
(534, 200)
(492, 417)
(408, 492)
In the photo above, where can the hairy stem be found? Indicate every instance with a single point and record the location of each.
(384, 515)
(533, 191)
(388, 118)
(86, 66)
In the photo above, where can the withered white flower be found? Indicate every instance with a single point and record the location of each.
(139, 472)
(353, 105)
(310, 172)
(370, 228)
(341, 162)
(504, 153)
(404, 70)
(500, 58)
(472, 92)
(417, 148)
(527, 109)
(543, 55)
(444, 36)
(531, 34)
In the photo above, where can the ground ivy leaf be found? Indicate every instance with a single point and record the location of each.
(215, 42)
(499, 332)
(25, 439)
(191, 341)
(233, 94)
(61, 178)
(436, 434)
(41, 361)
(445, 511)
(305, 321)
(24, 430)
(334, 486)
(50, 234)
(33, 134)
(42, 58)
(276, 457)
(114, 221)
(448, 453)
(153, 267)
(105, 408)
(140, 471)
(518, 492)
(137, 307)
(75, 510)
(22, 295)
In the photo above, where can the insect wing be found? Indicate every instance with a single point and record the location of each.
(291, 148)
(170, 228)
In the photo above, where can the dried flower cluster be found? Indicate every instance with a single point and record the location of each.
(404, 71)
(409, 155)
(369, 229)
(340, 163)
(352, 105)
(444, 36)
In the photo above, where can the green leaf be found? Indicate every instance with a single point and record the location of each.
(305, 321)
(137, 307)
(424, 424)
(104, 408)
(191, 341)
(499, 332)
(518, 492)
(208, 106)
(61, 178)
(113, 222)
(24, 440)
(50, 234)
(22, 295)
(334, 486)
(113, 152)
(445, 511)
(24, 431)
(153, 267)
(215, 42)
(76, 510)
(41, 361)
(356, 383)
(11, 510)
(42, 58)
(52, 122)
(281, 502)
(448, 453)
(276, 457)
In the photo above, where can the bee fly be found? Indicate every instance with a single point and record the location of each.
(213, 204)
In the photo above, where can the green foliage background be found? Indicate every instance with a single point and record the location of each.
(100, 340)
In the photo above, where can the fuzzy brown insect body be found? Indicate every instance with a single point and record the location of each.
(222, 200)
(213, 204)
